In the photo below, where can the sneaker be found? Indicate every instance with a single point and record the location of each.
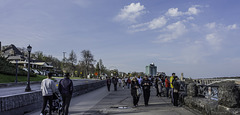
(41, 114)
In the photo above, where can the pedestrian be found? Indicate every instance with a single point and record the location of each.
(119, 82)
(176, 87)
(139, 80)
(123, 82)
(160, 86)
(167, 86)
(65, 88)
(108, 83)
(146, 84)
(171, 86)
(156, 86)
(128, 82)
(135, 86)
(115, 81)
(48, 88)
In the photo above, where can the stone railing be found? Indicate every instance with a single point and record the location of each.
(220, 98)
(22, 103)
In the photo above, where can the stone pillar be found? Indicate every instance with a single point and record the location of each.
(228, 94)
(181, 77)
(192, 90)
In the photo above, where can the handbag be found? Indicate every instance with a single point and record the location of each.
(139, 92)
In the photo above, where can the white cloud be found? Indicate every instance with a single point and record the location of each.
(172, 32)
(232, 27)
(131, 12)
(154, 24)
(173, 12)
(193, 10)
(157, 23)
(211, 25)
(213, 40)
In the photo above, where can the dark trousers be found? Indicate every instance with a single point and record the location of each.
(157, 90)
(175, 98)
(115, 87)
(167, 91)
(146, 95)
(108, 86)
(66, 102)
(45, 100)
(135, 100)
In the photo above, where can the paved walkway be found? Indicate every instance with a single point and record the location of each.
(120, 103)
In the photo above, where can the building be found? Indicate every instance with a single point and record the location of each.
(151, 70)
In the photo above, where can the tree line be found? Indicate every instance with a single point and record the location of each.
(78, 68)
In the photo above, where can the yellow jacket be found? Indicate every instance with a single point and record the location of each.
(171, 79)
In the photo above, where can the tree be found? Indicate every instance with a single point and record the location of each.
(72, 60)
(87, 61)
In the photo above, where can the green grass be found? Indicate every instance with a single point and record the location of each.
(8, 78)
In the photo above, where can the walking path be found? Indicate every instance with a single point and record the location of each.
(120, 103)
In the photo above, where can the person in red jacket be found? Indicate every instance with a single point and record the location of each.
(167, 85)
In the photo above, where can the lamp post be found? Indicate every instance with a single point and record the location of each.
(16, 71)
(29, 48)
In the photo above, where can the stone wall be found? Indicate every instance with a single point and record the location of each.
(227, 103)
(22, 103)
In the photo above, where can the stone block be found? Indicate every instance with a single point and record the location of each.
(228, 94)
(192, 90)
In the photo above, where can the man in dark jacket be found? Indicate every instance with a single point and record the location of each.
(176, 87)
(146, 84)
(115, 81)
(65, 87)
(108, 83)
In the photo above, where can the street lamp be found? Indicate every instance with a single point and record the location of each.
(29, 48)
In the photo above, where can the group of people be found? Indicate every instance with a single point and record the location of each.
(48, 87)
(165, 86)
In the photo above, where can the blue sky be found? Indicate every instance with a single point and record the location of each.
(197, 37)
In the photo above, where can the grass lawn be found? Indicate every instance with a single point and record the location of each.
(8, 78)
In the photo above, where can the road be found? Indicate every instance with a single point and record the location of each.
(16, 90)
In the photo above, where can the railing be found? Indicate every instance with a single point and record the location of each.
(208, 91)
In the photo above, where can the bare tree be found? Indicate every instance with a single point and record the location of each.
(73, 60)
(87, 60)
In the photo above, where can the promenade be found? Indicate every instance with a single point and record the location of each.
(120, 103)
(102, 102)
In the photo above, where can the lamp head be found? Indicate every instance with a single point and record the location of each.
(29, 48)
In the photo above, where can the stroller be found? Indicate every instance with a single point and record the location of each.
(56, 104)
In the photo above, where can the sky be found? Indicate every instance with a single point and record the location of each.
(199, 38)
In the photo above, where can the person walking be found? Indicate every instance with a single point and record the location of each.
(171, 86)
(135, 86)
(108, 83)
(119, 82)
(65, 88)
(115, 81)
(128, 82)
(146, 84)
(160, 86)
(48, 88)
(156, 86)
(123, 82)
(167, 86)
(176, 87)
